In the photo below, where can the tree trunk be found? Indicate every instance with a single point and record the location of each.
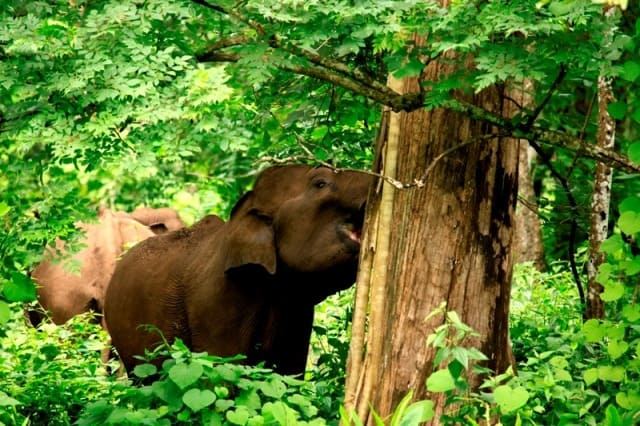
(600, 201)
(527, 245)
(449, 240)
(601, 197)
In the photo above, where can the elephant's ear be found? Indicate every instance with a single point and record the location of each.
(250, 240)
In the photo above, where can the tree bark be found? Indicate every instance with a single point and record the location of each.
(527, 244)
(601, 197)
(448, 241)
(600, 201)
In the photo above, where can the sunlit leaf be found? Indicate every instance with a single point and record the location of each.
(441, 381)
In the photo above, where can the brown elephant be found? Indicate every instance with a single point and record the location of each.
(65, 291)
(159, 220)
(247, 286)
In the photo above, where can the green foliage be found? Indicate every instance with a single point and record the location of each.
(569, 372)
(198, 388)
(49, 374)
(103, 102)
(544, 309)
(329, 350)
(115, 102)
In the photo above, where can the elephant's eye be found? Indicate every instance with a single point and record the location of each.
(320, 184)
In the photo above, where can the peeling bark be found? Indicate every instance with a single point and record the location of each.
(600, 201)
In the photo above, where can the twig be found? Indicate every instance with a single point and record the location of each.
(536, 112)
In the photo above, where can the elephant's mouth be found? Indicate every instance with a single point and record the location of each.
(350, 234)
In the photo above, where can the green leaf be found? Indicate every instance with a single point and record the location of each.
(611, 373)
(418, 413)
(20, 288)
(617, 348)
(631, 312)
(168, 392)
(256, 420)
(145, 370)
(224, 404)
(629, 222)
(249, 398)
(631, 267)
(593, 330)
(510, 399)
(5, 312)
(441, 381)
(197, 399)
(4, 208)
(612, 244)
(273, 389)
(612, 416)
(634, 152)
(630, 70)
(398, 413)
(590, 376)
(7, 400)
(348, 419)
(562, 375)
(629, 400)
(319, 132)
(455, 367)
(184, 375)
(613, 291)
(279, 413)
(227, 373)
(630, 203)
(412, 68)
(304, 405)
(617, 110)
(239, 416)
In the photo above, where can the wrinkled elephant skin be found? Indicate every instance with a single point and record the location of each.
(247, 286)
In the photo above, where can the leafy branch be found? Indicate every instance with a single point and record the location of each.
(357, 81)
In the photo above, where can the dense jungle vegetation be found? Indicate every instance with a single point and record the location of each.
(180, 103)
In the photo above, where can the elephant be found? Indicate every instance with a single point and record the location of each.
(66, 293)
(249, 285)
(159, 220)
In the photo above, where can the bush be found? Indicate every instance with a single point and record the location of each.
(50, 373)
(196, 388)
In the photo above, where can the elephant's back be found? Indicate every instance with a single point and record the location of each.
(147, 288)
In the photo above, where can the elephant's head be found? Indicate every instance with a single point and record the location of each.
(159, 220)
(301, 222)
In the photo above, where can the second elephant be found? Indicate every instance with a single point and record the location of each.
(65, 292)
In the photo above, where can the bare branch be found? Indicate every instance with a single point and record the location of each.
(601, 154)
(210, 6)
(554, 86)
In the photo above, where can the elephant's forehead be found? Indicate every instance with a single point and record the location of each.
(281, 182)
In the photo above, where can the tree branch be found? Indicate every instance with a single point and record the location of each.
(355, 80)
(554, 86)
(603, 155)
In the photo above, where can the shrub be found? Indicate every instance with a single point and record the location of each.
(50, 373)
(196, 388)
